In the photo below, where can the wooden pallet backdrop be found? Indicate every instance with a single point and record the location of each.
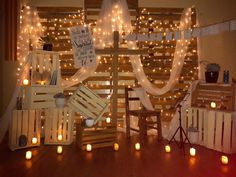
(157, 63)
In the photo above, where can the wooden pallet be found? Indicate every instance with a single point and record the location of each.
(217, 129)
(87, 103)
(24, 122)
(37, 97)
(97, 137)
(59, 121)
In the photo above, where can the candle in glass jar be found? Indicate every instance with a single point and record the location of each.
(28, 155)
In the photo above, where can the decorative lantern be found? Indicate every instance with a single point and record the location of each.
(224, 160)
(213, 105)
(167, 148)
(59, 137)
(137, 146)
(116, 146)
(88, 147)
(28, 155)
(192, 151)
(34, 140)
(108, 120)
(25, 82)
(59, 149)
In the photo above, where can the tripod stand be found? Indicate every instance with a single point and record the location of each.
(182, 133)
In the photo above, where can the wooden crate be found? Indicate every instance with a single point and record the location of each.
(44, 66)
(97, 137)
(87, 103)
(217, 129)
(222, 94)
(59, 121)
(38, 97)
(24, 122)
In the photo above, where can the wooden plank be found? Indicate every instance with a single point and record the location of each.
(211, 116)
(201, 119)
(227, 132)
(219, 131)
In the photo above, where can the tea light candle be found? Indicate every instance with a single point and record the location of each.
(167, 148)
(224, 160)
(25, 82)
(89, 147)
(34, 140)
(116, 146)
(59, 149)
(59, 137)
(42, 82)
(192, 151)
(108, 120)
(137, 146)
(213, 105)
(28, 155)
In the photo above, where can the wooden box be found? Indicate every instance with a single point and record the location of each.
(97, 137)
(44, 68)
(87, 103)
(217, 129)
(38, 97)
(59, 122)
(24, 122)
(222, 94)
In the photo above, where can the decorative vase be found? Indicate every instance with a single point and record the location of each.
(212, 76)
(47, 47)
(60, 102)
(89, 122)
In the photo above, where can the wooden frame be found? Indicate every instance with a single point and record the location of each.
(59, 121)
(87, 103)
(217, 129)
(97, 137)
(222, 94)
(24, 122)
(44, 62)
(37, 97)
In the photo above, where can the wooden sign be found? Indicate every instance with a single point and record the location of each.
(82, 45)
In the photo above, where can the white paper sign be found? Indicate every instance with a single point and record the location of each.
(83, 48)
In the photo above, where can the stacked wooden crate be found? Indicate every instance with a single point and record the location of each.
(216, 126)
(89, 105)
(40, 84)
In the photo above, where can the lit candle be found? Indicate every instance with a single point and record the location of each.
(42, 82)
(167, 148)
(137, 146)
(28, 155)
(192, 151)
(89, 147)
(213, 105)
(224, 160)
(116, 146)
(59, 137)
(25, 82)
(34, 140)
(108, 120)
(59, 149)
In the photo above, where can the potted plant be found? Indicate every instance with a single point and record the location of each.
(60, 100)
(212, 72)
(47, 42)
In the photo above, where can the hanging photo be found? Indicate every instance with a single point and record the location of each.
(83, 48)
